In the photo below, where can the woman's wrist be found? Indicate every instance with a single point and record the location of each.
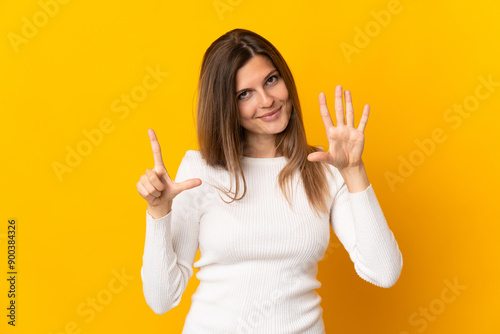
(355, 178)
(159, 211)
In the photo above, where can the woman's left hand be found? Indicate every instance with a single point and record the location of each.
(345, 142)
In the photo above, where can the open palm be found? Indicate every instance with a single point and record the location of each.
(345, 142)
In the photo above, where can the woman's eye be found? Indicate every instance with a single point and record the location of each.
(242, 96)
(274, 76)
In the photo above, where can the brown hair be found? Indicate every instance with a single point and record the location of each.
(221, 137)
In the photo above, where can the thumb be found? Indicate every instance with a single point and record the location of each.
(317, 156)
(188, 184)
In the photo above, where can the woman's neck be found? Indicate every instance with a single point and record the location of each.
(260, 147)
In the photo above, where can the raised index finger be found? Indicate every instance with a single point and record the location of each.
(325, 114)
(156, 149)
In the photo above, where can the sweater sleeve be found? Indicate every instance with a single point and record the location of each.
(359, 223)
(171, 245)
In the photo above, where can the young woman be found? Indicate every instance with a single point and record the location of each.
(258, 201)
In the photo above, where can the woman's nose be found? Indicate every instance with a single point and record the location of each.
(266, 100)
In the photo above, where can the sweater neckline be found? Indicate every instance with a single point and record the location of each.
(263, 161)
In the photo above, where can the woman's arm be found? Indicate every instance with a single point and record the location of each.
(170, 247)
(359, 223)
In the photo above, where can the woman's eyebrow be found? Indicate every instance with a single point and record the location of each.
(265, 78)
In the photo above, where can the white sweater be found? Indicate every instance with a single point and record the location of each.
(258, 261)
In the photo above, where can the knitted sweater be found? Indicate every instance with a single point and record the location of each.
(258, 256)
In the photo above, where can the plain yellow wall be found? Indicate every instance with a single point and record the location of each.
(429, 71)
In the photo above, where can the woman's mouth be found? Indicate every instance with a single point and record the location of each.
(272, 115)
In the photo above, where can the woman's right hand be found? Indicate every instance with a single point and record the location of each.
(156, 186)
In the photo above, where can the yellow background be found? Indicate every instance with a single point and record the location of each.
(76, 233)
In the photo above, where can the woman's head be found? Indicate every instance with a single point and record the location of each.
(263, 101)
(237, 60)
(222, 114)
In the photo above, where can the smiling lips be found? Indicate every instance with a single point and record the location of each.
(270, 113)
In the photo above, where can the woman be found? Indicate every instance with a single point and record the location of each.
(261, 241)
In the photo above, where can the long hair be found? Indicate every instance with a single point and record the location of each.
(220, 135)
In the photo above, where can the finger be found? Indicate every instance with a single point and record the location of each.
(188, 184)
(317, 156)
(364, 118)
(149, 187)
(323, 109)
(154, 179)
(156, 149)
(143, 192)
(349, 111)
(339, 106)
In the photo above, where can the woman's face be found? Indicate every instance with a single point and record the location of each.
(260, 89)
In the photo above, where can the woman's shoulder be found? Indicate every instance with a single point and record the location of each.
(194, 161)
(193, 165)
(193, 155)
